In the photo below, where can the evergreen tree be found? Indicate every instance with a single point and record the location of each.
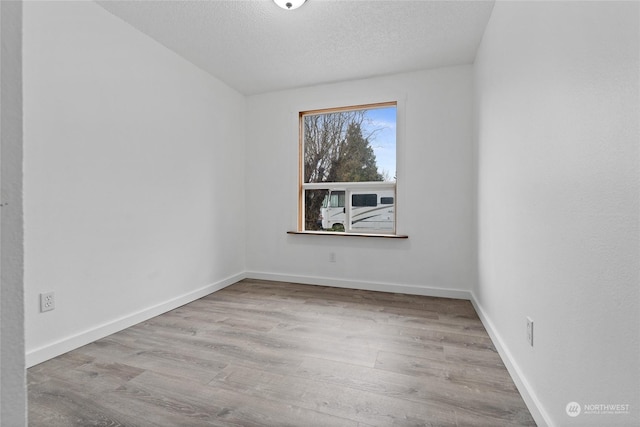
(357, 161)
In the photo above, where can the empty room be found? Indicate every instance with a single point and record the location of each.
(320, 213)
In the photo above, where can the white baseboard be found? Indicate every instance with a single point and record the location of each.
(50, 351)
(363, 285)
(67, 344)
(530, 398)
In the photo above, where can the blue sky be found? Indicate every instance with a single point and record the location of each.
(384, 140)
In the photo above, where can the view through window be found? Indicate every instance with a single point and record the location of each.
(348, 169)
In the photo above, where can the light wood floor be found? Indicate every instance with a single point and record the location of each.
(278, 354)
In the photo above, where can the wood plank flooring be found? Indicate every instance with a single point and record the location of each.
(279, 354)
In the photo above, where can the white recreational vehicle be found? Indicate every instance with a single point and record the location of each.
(369, 210)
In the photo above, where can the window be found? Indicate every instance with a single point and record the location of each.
(386, 200)
(348, 169)
(359, 200)
(335, 199)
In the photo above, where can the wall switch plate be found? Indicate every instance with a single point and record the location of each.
(47, 302)
(530, 331)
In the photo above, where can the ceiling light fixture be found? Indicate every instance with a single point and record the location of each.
(289, 4)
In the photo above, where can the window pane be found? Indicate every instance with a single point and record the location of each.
(350, 146)
(314, 200)
(368, 213)
(364, 200)
(337, 199)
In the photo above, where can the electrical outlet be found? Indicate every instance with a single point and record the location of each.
(47, 302)
(332, 257)
(530, 331)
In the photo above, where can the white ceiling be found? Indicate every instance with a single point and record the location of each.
(255, 47)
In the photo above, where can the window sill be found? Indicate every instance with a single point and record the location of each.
(343, 234)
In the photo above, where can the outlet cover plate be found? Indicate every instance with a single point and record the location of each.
(530, 331)
(47, 302)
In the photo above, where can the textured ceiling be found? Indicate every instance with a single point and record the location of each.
(255, 47)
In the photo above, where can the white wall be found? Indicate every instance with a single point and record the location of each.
(435, 187)
(12, 360)
(134, 177)
(134, 156)
(557, 129)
